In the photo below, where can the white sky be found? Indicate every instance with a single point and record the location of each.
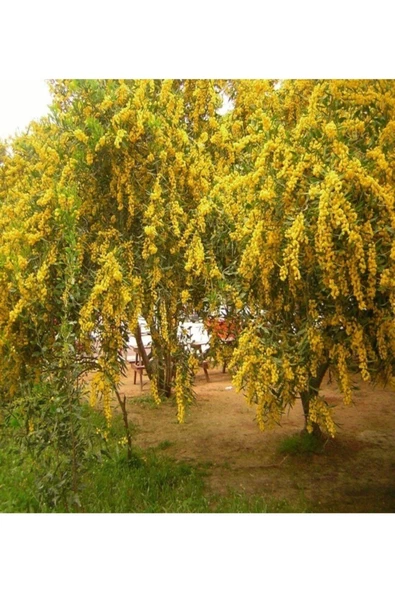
(21, 101)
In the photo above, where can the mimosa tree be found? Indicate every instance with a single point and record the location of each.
(130, 163)
(309, 204)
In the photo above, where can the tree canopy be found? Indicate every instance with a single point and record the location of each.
(139, 198)
(128, 165)
(310, 205)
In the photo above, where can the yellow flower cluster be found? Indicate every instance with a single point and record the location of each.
(320, 414)
(110, 296)
(260, 375)
(297, 236)
(155, 390)
(121, 133)
(358, 344)
(179, 395)
(164, 325)
(81, 136)
(339, 355)
(195, 256)
(101, 388)
(252, 256)
(317, 347)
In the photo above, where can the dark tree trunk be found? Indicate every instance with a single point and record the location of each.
(165, 373)
(307, 396)
(161, 365)
(168, 375)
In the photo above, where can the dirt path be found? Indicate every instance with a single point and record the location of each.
(354, 474)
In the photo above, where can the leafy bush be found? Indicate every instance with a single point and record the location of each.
(110, 483)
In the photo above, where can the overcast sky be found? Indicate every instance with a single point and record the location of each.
(21, 101)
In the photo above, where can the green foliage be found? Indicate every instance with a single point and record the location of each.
(110, 483)
(52, 437)
(17, 489)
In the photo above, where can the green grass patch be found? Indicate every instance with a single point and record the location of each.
(241, 503)
(147, 484)
(303, 443)
(164, 445)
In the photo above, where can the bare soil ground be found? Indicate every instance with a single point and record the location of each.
(354, 473)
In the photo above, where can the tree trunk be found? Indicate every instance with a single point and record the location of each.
(165, 372)
(162, 364)
(122, 404)
(307, 396)
(168, 375)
